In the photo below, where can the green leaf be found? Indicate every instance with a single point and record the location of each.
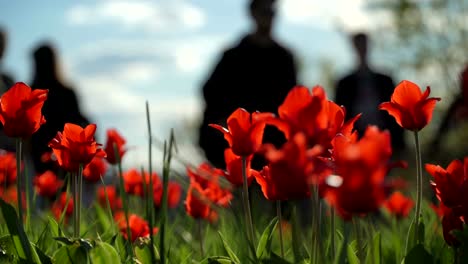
(418, 254)
(351, 252)
(275, 259)
(411, 240)
(45, 259)
(103, 253)
(264, 244)
(65, 240)
(7, 250)
(20, 240)
(71, 254)
(119, 244)
(143, 252)
(374, 252)
(102, 217)
(228, 249)
(217, 260)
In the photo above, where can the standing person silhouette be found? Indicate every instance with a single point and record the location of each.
(256, 74)
(6, 81)
(60, 107)
(363, 90)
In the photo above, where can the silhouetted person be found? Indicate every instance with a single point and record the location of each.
(363, 90)
(457, 113)
(6, 82)
(60, 107)
(256, 74)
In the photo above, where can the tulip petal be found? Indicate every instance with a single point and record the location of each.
(406, 94)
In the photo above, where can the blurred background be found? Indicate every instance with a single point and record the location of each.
(118, 54)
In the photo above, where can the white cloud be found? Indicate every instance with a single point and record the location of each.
(138, 14)
(349, 14)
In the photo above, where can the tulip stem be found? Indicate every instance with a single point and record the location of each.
(357, 233)
(245, 198)
(123, 194)
(150, 189)
(200, 237)
(332, 232)
(74, 196)
(316, 207)
(78, 198)
(19, 178)
(418, 186)
(278, 212)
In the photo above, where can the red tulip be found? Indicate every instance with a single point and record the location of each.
(20, 110)
(411, 108)
(47, 184)
(205, 192)
(450, 185)
(95, 170)
(174, 192)
(105, 193)
(288, 175)
(245, 131)
(76, 146)
(312, 114)
(138, 228)
(361, 167)
(114, 138)
(196, 203)
(451, 222)
(10, 195)
(399, 205)
(234, 168)
(59, 206)
(7, 168)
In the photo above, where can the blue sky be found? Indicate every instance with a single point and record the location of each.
(119, 53)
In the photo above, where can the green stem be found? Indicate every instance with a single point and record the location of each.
(80, 192)
(315, 224)
(200, 237)
(150, 196)
(278, 212)
(332, 232)
(246, 202)
(74, 189)
(418, 186)
(19, 178)
(124, 197)
(359, 250)
(166, 170)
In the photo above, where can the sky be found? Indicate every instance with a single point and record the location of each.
(119, 54)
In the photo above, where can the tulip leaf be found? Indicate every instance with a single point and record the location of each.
(217, 260)
(411, 240)
(374, 252)
(229, 250)
(275, 259)
(264, 244)
(71, 254)
(352, 253)
(103, 253)
(418, 254)
(18, 236)
(119, 244)
(143, 252)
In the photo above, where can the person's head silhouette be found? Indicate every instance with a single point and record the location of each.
(45, 62)
(3, 40)
(360, 43)
(262, 13)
